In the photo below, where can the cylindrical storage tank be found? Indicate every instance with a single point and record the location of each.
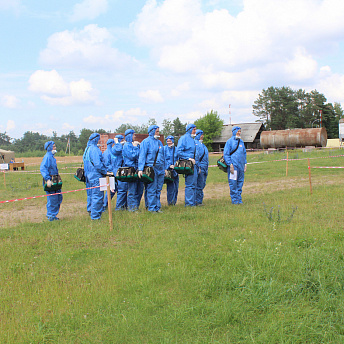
(294, 138)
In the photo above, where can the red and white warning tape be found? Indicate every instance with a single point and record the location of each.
(328, 167)
(47, 195)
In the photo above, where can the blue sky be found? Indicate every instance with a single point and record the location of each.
(68, 65)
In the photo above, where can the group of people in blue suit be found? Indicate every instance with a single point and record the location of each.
(126, 151)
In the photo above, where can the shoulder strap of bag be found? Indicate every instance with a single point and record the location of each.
(173, 155)
(156, 155)
(235, 148)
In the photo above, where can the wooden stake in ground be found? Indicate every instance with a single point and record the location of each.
(286, 171)
(310, 178)
(109, 201)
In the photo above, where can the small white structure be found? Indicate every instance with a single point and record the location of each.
(341, 130)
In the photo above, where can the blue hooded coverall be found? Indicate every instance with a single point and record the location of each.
(109, 161)
(130, 159)
(203, 163)
(149, 149)
(238, 159)
(48, 168)
(94, 169)
(187, 149)
(170, 159)
(122, 187)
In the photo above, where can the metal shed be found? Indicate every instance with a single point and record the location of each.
(250, 134)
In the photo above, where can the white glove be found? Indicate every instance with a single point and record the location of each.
(49, 183)
(116, 140)
(139, 174)
(192, 160)
(245, 168)
(171, 167)
(231, 168)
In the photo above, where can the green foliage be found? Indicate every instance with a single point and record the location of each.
(178, 129)
(167, 127)
(284, 108)
(211, 124)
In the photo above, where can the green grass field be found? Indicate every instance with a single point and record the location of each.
(270, 271)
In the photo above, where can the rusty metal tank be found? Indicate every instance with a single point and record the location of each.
(294, 138)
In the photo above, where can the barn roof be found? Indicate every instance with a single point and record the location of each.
(249, 132)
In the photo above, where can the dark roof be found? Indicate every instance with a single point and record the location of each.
(249, 132)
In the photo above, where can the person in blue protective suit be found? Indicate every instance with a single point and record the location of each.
(131, 151)
(186, 149)
(203, 164)
(48, 168)
(234, 154)
(109, 161)
(152, 155)
(170, 159)
(94, 169)
(122, 187)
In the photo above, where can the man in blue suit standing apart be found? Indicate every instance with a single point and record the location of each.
(48, 168)
(234, 154)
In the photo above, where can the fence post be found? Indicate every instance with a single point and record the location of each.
(109, 201)
(310, 178)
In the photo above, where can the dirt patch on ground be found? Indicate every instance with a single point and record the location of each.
(60, 160)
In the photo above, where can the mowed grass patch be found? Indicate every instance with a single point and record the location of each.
(214, 274)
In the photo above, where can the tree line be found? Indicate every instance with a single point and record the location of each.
(32, 143)
(280, 108)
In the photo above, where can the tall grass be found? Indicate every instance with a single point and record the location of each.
(214, 274)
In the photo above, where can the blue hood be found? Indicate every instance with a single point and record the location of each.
(169, 137)
(151, 130)
(129, 135)
(48, 146)
(199, 133)
(110, 142)
(189, 127)
(119, 137)
(235, 130)
(94, 138)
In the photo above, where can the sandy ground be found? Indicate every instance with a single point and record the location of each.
(34, 210)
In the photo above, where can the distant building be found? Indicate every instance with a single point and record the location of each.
(250, 134)
(138, 137)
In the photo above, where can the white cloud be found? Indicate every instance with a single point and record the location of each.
(182, 88)
(67, 126)
(332, 87)
(89, 9)
(133, 115)
(152, 96)
(10, 125)
(89, 48)
(268, 40)
(15, 5)
(55, 91)
(10, 101)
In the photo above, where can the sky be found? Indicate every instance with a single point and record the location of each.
(67, 65)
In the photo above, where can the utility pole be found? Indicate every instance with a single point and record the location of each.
(230, 119)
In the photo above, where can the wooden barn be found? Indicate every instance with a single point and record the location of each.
(250, 134)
